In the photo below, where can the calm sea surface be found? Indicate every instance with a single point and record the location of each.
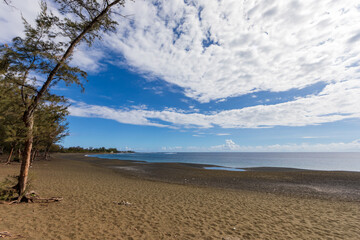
(313, 161)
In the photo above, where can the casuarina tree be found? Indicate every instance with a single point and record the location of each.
(45, 54)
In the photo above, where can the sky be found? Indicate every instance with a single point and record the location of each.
(216, 75)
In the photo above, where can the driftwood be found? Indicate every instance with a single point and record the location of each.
(33, 197)
(123, 202)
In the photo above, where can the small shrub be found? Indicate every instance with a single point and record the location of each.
(7, 191)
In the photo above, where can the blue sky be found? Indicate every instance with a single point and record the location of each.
(217, 76)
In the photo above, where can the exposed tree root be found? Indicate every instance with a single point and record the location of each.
(32, 197)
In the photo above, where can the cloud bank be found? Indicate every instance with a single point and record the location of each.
(219, 49)
(335, 102)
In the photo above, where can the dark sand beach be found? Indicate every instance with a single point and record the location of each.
(182, 201)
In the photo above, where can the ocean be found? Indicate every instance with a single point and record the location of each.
(236, 160)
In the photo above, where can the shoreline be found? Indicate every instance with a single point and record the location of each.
(256, 168)
(335, 185)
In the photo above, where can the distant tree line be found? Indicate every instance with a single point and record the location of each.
(61, 149)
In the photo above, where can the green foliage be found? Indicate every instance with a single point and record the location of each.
(7, 192)
(50, 119)
(50, 123)
(79, 149)
(11, 108)
(8, 188)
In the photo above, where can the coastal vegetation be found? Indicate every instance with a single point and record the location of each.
(32, 118)
(79, 149)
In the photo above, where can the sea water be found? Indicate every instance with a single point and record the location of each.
(235, 160)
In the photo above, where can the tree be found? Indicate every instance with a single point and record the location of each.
(43, 51)
(50, 120)
(11, 127)
(50, 124)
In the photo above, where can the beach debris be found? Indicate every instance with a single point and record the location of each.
(5, 234)
(33, 197)
(123, 202)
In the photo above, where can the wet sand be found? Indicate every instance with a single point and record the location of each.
(176, 201)
(335, 185)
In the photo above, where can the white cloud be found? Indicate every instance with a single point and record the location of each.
(313, 137)
(11, 25)
(302, 147)
(136, 117)
(218, 49)
(336, 102)
(171, 149)
(88, 58)
(223, 134)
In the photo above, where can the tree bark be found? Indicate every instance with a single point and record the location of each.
(26, 158)
(10, 156)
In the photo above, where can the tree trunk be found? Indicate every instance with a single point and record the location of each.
(47, 152)
(26, 158)
(33, 157)
(10, 156)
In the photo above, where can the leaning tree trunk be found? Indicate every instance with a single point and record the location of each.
(10, 156)
(28, 117)
(26, 158)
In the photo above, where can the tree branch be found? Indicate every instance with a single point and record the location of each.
(67, 54)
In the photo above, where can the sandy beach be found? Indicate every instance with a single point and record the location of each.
(181, 202)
